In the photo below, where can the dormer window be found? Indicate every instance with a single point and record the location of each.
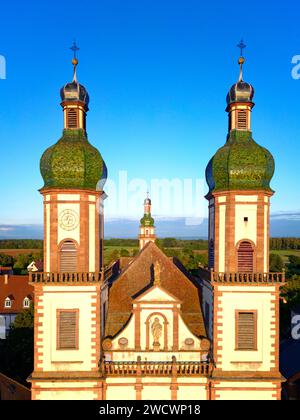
(26, 303)
(8, 303)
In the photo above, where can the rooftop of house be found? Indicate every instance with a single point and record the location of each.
(17, 288)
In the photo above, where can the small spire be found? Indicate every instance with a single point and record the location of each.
(241, 61)
(74, 48)
(157, 272)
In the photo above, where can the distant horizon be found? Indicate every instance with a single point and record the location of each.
(283, 224)
(153, 87)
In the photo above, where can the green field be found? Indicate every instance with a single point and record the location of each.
(110, 250)
(286, 253)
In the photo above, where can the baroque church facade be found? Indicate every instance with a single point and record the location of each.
(145, 328)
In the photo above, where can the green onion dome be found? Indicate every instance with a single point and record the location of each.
(73, 163)
(241, 164)
(147, 220)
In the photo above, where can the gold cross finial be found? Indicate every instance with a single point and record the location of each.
(241, 61)
(241, 46)
(74, 48)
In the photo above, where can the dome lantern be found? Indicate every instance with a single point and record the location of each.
(240, 99)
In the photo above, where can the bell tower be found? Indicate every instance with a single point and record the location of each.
(147, 228)
(245, 310)
(239, 176)
(74, 175)
(67, 293)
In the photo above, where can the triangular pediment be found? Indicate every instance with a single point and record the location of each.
(156, 294)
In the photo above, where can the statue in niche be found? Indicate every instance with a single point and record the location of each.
(156, 329)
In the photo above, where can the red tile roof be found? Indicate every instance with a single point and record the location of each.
(138, 275)
(18, 288)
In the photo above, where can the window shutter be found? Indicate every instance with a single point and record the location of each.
(242, 120)
(72, 118)
(68, 258)
(245, 258)
(246, 331)
(67, 330)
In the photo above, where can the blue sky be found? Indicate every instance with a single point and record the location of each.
(158, 73)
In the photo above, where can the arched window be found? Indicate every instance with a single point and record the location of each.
(68, 257)
(26, 302)
(8, 302)
(245, 257)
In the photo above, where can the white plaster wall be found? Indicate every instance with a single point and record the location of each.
(191, 392)
(68, 197)
(71, 297)
(68, 234)
(246, 230)
(154, 389)
(67, 395)
(156, 392)
(128, 333)
(246, 198)
(121, 393)
(247, 298)
(246, 395)
(185, 333)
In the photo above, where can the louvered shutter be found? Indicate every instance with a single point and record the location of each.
(246, 331)
(242, 120)
(72, 118)
(68, 257)
(67, 329)
(245, 258)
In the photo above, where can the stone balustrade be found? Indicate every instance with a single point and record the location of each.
(248, 278)
(147, 368)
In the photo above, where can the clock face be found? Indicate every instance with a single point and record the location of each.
(68, 220)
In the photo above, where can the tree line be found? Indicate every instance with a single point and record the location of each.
(196, 244)
(21, 244)
(284, 243)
